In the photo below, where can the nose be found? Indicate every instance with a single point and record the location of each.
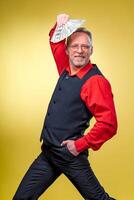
(79, 49)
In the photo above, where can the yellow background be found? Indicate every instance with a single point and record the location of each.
(28, 76)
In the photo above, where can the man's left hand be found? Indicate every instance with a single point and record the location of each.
(71, 146)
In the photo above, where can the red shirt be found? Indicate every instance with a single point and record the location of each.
(96, 93)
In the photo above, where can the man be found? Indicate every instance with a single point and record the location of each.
(82, 92)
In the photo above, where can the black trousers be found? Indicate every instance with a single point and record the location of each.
(50, 164)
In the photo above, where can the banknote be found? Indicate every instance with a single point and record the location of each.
(62, 32)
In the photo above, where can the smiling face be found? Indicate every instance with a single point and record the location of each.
(79, 50)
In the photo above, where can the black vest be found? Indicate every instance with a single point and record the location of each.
(67, 116)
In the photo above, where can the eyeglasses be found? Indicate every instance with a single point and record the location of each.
(75, 47)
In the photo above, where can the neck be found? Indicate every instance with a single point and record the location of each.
(74, 69)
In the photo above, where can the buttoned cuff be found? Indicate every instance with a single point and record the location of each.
(81, 144)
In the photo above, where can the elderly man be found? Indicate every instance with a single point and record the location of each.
(82, 92)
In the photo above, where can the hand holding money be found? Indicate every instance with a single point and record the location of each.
(62, 19)
(65, 27)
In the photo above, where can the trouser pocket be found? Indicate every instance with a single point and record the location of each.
(69, 153)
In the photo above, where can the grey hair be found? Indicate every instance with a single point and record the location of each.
(83, 30)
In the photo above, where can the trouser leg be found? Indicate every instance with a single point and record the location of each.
(38, 178)
(79, 172)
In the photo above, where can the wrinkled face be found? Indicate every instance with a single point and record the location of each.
(79, 50)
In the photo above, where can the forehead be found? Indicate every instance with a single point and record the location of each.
(79, 37)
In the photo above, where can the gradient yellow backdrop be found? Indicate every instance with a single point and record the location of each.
(28, 76)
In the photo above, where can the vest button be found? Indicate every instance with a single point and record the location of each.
(67, 77)
(48, 114)
(54, 102)
(59, 88)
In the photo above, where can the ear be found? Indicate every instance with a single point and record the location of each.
(91, 50)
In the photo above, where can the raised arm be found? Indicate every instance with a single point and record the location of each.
(59, 48)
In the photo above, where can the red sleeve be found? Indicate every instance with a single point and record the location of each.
(97, 95)
(59, 53)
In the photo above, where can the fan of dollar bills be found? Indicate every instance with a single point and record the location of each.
(62, 32)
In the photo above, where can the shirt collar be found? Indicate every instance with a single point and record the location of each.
(81, 72)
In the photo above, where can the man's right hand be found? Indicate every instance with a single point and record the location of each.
(62, 19)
